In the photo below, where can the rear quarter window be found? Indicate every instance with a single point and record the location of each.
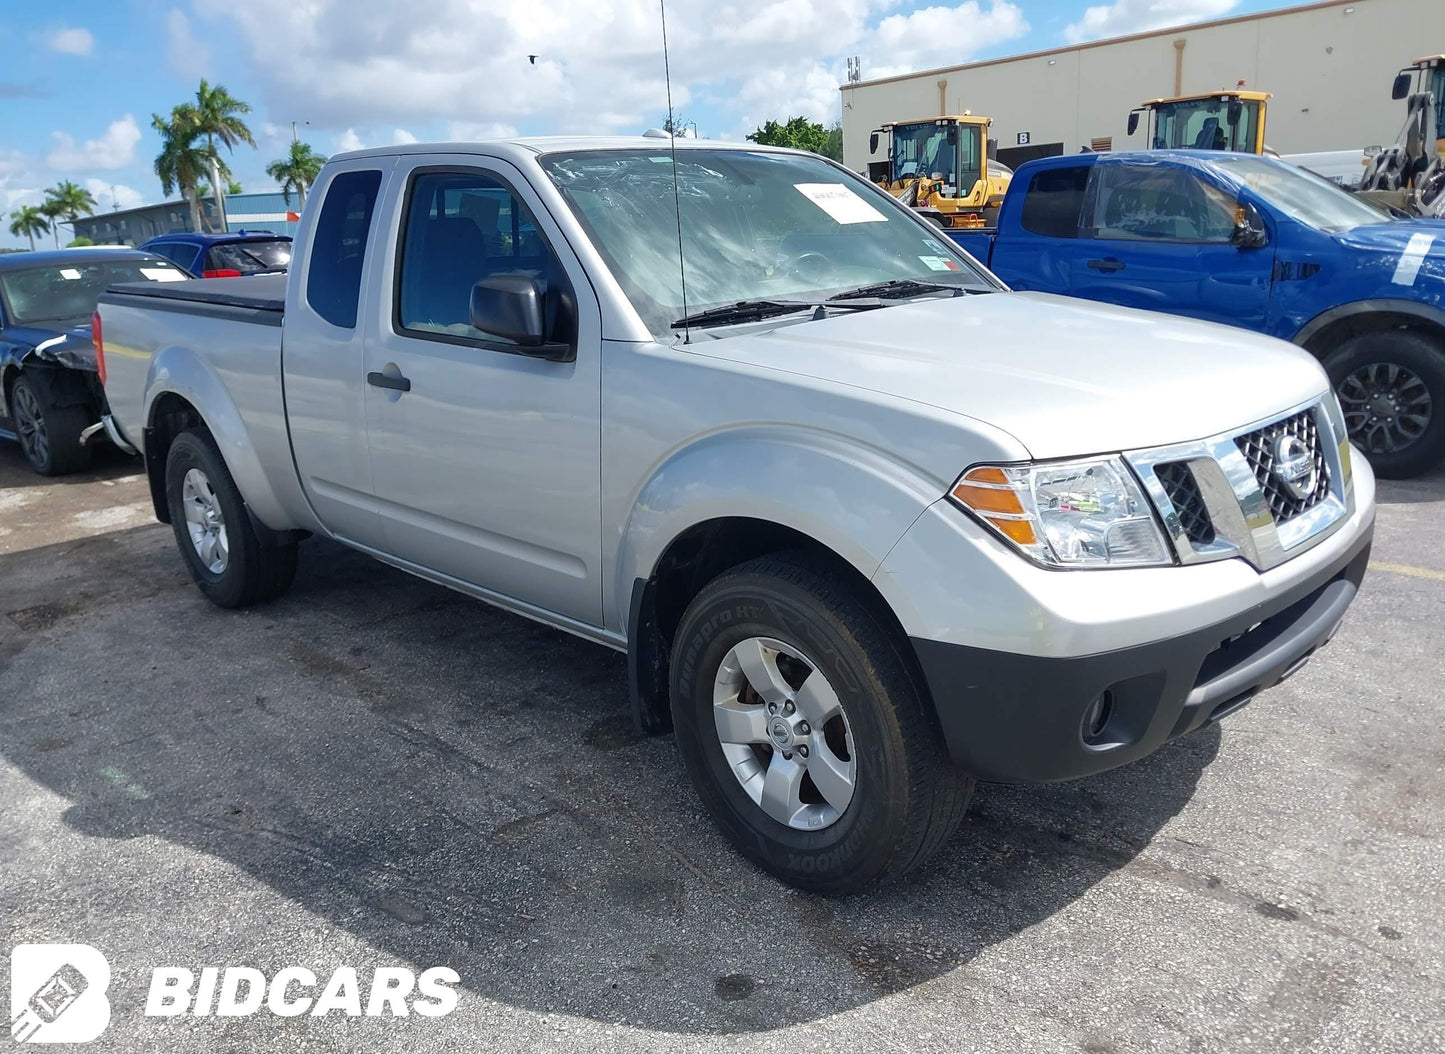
(1054, 200)
(338, 247)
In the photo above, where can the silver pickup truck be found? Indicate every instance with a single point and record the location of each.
(869, 526)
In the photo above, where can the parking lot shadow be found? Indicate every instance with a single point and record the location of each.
(459, 786)
(106, 463)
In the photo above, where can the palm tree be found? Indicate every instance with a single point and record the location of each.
(296, 171)
(67, 201)
(232, 187)
(28, 220)
(217, 115)
(181, 162)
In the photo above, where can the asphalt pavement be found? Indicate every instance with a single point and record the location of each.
(375, 772)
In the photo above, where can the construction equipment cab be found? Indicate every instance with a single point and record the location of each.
(940, 166)
(1409, 174)
(1220, 120)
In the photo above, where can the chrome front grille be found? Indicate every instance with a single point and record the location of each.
(1265, 493)
(1259, 448)
(1188, 501)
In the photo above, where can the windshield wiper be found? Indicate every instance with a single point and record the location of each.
(756, 310)
(904, 287)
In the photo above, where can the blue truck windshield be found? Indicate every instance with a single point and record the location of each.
(1301, 195)
(754, 225)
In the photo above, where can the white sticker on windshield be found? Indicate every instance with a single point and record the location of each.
(69, 273)
(162, 274)
(841, 203)
(939, 263)
(1412, 258)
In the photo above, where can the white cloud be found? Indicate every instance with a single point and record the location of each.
(109, 196)
(466, 132)
(115, 148)
(1138, 16)
(372, 64)
(400, 137)
(187, 56)
(349, 140)
(72, 41)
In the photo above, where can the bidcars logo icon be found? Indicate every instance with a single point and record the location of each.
(57, 993)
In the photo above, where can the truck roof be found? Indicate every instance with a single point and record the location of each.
(533, 145)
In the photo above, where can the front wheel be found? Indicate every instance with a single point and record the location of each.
(227, 558)
(1391, 386)
(805, 732)
(49, 433)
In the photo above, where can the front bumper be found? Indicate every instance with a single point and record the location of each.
(1013, 718)
(1015, 656)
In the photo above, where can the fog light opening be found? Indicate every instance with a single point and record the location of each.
(1096, 718)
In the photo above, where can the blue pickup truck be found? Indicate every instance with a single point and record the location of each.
(1251, 242)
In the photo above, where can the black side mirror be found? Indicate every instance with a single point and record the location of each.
(1401, 87)
(513, 307)
(1133, 122)
(1236, 111)
(1249, 231)
(873, 143)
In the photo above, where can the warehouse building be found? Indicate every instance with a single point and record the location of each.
(1328, 65)
(265, 211)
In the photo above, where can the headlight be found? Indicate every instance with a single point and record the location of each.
(1067, 514)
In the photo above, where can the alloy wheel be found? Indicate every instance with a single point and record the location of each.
(205, 522)
(31, 422)
(784, 734)
(1387, 407)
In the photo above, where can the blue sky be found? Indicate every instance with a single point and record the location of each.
(81, 79)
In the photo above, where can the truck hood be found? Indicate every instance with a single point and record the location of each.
(1395, 239)
(1065, 377)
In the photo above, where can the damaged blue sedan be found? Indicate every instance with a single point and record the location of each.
(51, 398)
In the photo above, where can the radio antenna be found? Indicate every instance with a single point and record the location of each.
(676, 194)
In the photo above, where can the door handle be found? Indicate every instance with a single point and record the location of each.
(386, 380)
(1109, 264)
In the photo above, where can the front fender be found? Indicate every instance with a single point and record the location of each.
(179, 370)
(1375, 305)
(854, 499)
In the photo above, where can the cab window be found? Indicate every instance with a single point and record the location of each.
(1129, 201)
(460, 228)
(338, 247)
(1054, 200)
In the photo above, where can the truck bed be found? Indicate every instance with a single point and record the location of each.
(261, 299)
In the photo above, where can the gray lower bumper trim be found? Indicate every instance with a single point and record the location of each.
(113, 431)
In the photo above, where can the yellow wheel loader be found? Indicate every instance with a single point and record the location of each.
(940, 166)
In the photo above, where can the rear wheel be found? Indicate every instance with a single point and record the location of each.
(804, 731)
(49, 434)
(1391, 386)
(230, 562)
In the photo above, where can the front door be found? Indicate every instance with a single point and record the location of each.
(1157, 235)
(486, 460)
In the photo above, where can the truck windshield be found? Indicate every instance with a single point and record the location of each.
(754, 225)
(1301, 195)
(933, 150)
(67, 291)
(1203, 124)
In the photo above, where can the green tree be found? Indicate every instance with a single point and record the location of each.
(296, 171)
(76, 243)
(67, 201)
(232, 187)
(799, 133)
(28, 220)
(217, 116)
(181, 162)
